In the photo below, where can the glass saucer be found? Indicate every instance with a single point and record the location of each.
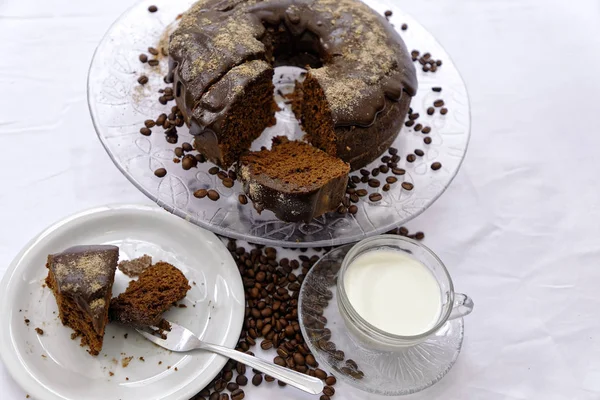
(406, 371)
(119, 106)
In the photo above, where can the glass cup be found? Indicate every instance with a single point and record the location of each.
(454, 305)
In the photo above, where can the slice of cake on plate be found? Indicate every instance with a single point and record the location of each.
(81, 278)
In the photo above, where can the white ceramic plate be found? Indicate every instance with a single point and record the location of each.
(52, 366)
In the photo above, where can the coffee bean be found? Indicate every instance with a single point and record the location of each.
(269, 378)
(299, 359)
(398, 171)
(330, 381)
(187, 147)
(393, 151)
(228, 375)
(430, 111)
(161, 172)
(222, 175)
(353, 209)
(232, 175)
(388, 13)
(241, 380)
(391, 179)
(224, 396)
(231, 386)
(279, 361)
(436, 89)
(411, 158)
(324, 397)
(160, 121)
(355, 179)
(142, 80)
(419, 236)
(153, 62)
(215, 396)
(213, 170)
(413, 117)
(395, 158)
(152, 51)
(237, 394)
(342, 209)
(200, 193)
(228, 182)
(426, 130)
(153, 9)
(386, 187)
(213, 195)
(418, 127)
(384, 169)
(310, 359)
(143, 58)
(427, 140)
(352, 364)
(266, 344)
(329, 391)
(319, 373)
(188, 162)
(178, 152)
(438, 63)
(438, 103)
(436, 165)
(145, 131)
(409, 123)
(404, 27)
(375, 171)
(374, 197)
(419, 152)
(374, 183)
(364, 179)
(426, 68)
(364, 172)
(257, 379)
(220, 385)
(281, 383)
(444, 111)
(407, 186)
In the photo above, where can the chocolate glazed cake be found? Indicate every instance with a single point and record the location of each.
(355, 96)
(81, 279)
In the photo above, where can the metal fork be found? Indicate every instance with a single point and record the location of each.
(180, 339)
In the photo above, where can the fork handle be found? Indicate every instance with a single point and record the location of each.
(298, 380)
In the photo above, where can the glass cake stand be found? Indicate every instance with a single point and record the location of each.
(119, 106)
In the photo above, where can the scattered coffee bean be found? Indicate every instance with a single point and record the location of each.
(152, 51)
(231, 386)
(187, 147)
(330, 381)
(409, 123)
(153, 9)
(386, 187)
(237, 394)
(355, 179)
(393, 151)
(364, 172)
(224, 396)
(243, 199)
(188, 162)
(200, 193)
(436, 89)
(404, 27)
(427, 140)
(324, 397)
(143, 58)
(419, 152)
(388, 13)
(375, 197)
(160, 121)
(407, 186)
(353, 209)
(411, 158)
(419, 236)
(374, 183)
(430, 111)
(213, 170)
(269, 378)
(398, 171)
(213, 195)
(145, 131)
(438, 103)
(257, 379)
(444, 111)
(319, 373)
(178, 152)
(142, 80)
(436, 165)
(426, 130)
(384, 169)
(418, 127)
(153, 62)
(329, 391)
(364, 179)
(228, 182)
(391, 179)
(160, 172)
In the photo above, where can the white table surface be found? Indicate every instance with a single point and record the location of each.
(519, 228)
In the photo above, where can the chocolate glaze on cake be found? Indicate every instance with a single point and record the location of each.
(356, 93)
(81, 278)
(295, 180)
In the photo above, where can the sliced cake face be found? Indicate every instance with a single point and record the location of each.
(146, 299)
(296, 181)
(81, 279)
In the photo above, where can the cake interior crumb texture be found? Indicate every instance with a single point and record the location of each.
(81, 280)
(147, 298)
(136, 266)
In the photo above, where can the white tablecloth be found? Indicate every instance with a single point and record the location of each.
(519, 228)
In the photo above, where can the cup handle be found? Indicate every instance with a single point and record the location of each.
(463, 305)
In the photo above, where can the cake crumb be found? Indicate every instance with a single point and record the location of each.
(126, 378)
(44, 356)
(125, 335)
(160, 362)
(176, 369)
(142, 359)
(27, 396)
(39, 331)
(182, 306)
(27, 321)
(74, 335)
(136, 266)
(168, 367)
(125, 361)
(111, 373)
(115, 361)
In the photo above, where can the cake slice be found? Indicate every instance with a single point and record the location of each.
(146, 299)
(81, 279)
(295, 180)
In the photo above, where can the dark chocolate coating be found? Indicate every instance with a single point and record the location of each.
(86, 275)
(366, 66)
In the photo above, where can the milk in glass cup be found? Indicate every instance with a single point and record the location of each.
(393, 292)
